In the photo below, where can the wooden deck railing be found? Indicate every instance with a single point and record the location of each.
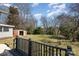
(32, 48)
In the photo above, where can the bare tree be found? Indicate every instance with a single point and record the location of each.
(74, 9)
(68, 26)
(44, 22)
(25, 12)
(54, 23)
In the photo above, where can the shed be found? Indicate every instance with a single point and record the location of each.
(6, 30)
(19, 32)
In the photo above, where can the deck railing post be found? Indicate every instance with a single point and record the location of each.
(29, 47)
(16, 43)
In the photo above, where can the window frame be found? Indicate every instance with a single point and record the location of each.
(1, 29)
(5, 29)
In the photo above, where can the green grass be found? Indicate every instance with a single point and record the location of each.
(61, 43)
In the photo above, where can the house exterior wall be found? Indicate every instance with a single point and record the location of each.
(7, 34)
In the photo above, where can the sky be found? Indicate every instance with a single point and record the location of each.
(48, 9)
(44, 9)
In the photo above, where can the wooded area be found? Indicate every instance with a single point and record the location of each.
(65, 24)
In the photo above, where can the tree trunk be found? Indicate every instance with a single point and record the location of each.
(74, 37)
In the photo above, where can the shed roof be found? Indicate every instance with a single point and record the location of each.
(4, 25)
(19, 30)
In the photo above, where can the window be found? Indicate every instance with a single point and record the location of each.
(5, 29)
(0, 29)
(21, 33)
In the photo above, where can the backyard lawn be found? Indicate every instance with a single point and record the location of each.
(56, 42)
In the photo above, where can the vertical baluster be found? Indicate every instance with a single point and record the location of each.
(34, 48)
(23, 44)
(53, 51)
(44, 50)
(30, 47)
(60, 52)
(66, 53)
(41, 49)
(37, 49)
(56, 51)
(19, 43)
(49, 51)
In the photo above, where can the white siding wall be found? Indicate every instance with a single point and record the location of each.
(25, 32)
(7, 34)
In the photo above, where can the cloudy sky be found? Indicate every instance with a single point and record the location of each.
(48, 9)
(45, 9)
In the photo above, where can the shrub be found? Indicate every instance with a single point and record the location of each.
(38, 30)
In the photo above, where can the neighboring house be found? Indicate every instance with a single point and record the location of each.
(6, 30)
(20, 32)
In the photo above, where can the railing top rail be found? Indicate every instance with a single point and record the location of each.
(22, 38)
